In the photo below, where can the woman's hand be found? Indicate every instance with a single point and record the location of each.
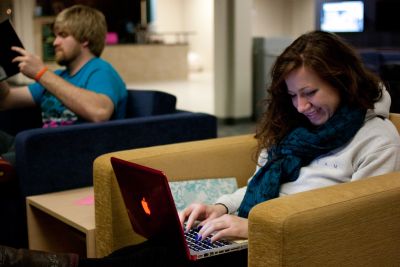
(202, 212)
(226, 226)
(214, 220)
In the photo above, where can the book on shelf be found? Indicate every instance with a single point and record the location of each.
(10, 38)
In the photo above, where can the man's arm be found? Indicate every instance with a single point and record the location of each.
(17, 97)
(87, 104)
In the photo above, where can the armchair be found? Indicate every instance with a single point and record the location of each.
(352, 224)
(55, 159)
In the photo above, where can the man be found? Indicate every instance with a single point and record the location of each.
(87, 90)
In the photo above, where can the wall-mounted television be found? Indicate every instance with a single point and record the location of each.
(342, 16)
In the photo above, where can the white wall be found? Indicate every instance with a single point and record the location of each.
(23, 15)
(232, 74)
(222, 70)
(199, 18)
(284, 18)
(169, 16)
(223, 39)
(303, 19)
(193, 16)
(242, 73)
(270, 18)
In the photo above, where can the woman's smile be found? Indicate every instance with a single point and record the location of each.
(311, 96)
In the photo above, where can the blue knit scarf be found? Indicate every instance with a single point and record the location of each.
(298, 149)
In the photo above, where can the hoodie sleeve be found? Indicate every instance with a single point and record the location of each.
(381, 107)
(233, 201)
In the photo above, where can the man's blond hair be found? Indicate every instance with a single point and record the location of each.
(84, 23)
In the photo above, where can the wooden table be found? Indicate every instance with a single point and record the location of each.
(62, 222)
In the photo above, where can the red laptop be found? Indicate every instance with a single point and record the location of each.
(153, 214)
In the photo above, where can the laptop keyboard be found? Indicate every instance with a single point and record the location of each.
(204, 244)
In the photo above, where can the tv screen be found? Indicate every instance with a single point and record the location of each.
(342, 16)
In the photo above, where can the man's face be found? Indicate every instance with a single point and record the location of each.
(67, 48)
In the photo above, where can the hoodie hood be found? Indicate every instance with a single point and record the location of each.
(381, 107)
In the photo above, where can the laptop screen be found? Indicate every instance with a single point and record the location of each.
(149, 204)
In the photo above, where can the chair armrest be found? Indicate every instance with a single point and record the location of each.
(352, 224)
(222, 157)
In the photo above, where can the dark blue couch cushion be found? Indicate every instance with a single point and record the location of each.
(371, 60)
(140, 103)
(389, 57)
(50, 160)
(56, 159)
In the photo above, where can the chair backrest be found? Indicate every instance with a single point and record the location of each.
(142, 103)
(395, 118)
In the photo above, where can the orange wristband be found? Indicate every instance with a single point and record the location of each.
(40, 74)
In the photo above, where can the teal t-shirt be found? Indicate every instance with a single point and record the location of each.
(96, 75)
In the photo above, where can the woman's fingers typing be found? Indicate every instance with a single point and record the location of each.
(202, 212)
(214, 222)
(226, 226)
(192, 213)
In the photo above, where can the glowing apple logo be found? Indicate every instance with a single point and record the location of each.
(145, 206)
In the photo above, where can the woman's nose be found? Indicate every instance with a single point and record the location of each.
(302, 104)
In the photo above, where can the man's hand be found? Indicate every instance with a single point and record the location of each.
(29, 64)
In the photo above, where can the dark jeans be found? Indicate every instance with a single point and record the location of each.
(7, 147)
(154, 254)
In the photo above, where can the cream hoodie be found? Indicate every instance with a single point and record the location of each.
(374, 150)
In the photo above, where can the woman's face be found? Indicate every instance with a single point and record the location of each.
(311, 96)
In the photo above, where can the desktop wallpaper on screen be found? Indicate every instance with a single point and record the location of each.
(342, 16)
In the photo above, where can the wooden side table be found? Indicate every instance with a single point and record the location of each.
(62, 222)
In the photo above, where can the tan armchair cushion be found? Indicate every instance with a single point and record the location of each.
(222, 157)
(352, 224)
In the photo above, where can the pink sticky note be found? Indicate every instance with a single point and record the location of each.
(89, 200)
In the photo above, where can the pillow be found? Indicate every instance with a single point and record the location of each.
(202, 190)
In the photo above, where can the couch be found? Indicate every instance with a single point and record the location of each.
(56, 159)
(385, 63)
(375, 59)
(353, 224)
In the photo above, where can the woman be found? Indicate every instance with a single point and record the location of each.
(326, 123)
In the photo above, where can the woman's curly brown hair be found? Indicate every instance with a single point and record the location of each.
(335, 62)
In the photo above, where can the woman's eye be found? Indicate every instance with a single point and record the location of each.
(311, 93)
